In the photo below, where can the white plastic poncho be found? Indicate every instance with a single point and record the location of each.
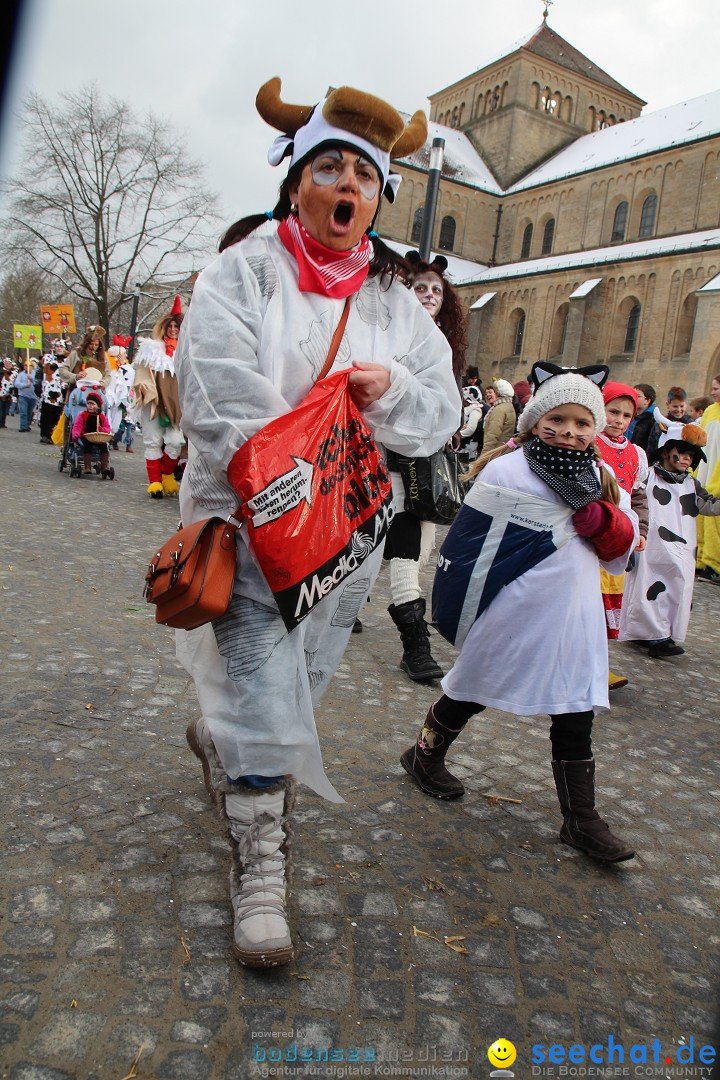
(250, 349)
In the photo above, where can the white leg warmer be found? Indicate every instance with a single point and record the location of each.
(404, 580)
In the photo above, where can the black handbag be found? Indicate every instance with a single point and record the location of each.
(433, 491)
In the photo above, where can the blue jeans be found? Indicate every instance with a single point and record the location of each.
(126, 429)
(27, 408)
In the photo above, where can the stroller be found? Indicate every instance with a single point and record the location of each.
(72, 450)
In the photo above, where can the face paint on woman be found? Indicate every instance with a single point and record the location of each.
(430, 291)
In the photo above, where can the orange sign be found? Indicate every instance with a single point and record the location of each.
(58, 319)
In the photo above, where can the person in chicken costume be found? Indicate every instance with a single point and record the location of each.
(156, 393)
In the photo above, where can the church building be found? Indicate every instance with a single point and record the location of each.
(576, 228)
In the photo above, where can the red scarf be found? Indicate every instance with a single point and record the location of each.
(331, 273)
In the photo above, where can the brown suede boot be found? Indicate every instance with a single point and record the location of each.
(87, 463)
(582, 826)
(425, 760)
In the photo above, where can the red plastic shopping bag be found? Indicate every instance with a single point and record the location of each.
(316, 495)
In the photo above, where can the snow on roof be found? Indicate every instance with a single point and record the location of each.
(712, 285)
(586, 288)
(673, 126)
(461, 161)
(458, 271)
(664, 245)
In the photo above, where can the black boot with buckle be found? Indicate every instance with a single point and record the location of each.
(417, 660)
(582, 826)
(425, 759)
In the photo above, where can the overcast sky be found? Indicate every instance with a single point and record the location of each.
(200, 64)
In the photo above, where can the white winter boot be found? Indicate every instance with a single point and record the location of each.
(258, 825)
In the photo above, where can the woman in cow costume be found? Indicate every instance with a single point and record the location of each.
(255, 340)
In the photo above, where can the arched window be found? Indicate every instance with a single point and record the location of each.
(526, 242)
(495, 99)
(454, 121)
(447, 233)
(619, 222)
(417, 226)
(549, 101)
(548, 235)
(519, 333)
(559, 330)
(686, 325)
(631, 329)
(647, 216)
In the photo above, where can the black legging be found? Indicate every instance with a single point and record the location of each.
(569, 732)
(403, 538)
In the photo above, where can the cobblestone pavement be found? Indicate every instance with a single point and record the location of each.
(114, 917)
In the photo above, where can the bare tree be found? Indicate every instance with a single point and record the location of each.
(105, 200)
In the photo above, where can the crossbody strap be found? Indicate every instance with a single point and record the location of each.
(336, 339)
(332, 353)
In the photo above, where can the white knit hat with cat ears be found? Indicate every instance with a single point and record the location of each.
(555, 386)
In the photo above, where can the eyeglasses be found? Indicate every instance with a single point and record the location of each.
(327, 168)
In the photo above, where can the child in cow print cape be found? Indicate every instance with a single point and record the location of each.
(516, 590)
(658, 592)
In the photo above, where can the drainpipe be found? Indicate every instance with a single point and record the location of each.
(497, 234)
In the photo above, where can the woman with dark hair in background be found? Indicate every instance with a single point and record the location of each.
(410, 541)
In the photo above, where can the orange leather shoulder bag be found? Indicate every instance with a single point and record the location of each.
(190, 578)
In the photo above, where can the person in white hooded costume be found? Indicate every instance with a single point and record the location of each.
(252, 345)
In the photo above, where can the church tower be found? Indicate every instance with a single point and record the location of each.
(541, 95)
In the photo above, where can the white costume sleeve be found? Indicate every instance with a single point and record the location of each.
(420, 410)
(224, 396)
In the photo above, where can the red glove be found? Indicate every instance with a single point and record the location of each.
(591, 520)
(607, 528)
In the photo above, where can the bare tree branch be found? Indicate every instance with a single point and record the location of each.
(116, 201)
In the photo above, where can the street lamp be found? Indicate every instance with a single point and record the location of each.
(428, 221)
(133, 320)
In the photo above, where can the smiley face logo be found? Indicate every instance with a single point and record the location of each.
(502, 1053)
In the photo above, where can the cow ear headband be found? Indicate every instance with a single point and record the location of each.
(544, 370)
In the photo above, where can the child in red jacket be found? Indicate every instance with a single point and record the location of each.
(92, 419)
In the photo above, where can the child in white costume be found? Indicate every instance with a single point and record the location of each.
(658, 591)
(518, 571)
(156, 391)
(119, 392)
